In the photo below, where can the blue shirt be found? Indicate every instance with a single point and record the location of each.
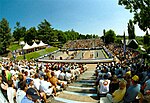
(26, 100)
(132, 92)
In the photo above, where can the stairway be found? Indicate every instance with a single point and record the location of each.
(80, 91)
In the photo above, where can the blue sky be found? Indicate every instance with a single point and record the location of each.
(84, 16)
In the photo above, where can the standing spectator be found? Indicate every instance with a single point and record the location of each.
(133, 91)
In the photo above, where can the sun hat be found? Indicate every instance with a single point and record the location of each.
(33, 93)
(135, 78)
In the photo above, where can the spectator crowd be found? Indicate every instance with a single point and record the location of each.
(126, 80)
(34, 82)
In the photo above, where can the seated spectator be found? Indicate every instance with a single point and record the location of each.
(20, 77)
(62, 75)
(4, 85)
(147, 84)
(68, 76)
(21, 92)
(118, 95)
(47, 87)
(104, 85)
(2, 98)
(114, 84)
(55, 82)
(36, 81)
(32, 96)
(146, 98)
(11, 92)
(30, 83)
(128, 78)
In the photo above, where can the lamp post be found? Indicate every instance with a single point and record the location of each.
(22, 43)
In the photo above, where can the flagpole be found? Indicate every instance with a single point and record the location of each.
(124, 47)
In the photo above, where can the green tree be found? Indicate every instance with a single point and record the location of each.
(30, 35)
(88, 36)
(110, 36)
(146, 39)
(44, 31)
(5, 35)
(81, 36)
(19, 31)
(131, 30)
(62, 37)
(141, 10)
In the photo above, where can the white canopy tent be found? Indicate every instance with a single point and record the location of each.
(27, 46)
(42, 44)
(34, 45)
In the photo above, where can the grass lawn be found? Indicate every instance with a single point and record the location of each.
(14, 46)
(37, 54)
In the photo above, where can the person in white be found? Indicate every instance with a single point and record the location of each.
(104, 85)
(2, 98)
(46, 86)
(68, 76)
(37, 81)
(11, 92)
(21, 92)
(61, 76)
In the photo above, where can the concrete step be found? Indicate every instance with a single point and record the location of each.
(78, 90)
(74, 97)
(104, 100)
(70, 101)
(86, 81)
(79, 84)
(89, 88)
(80, 94)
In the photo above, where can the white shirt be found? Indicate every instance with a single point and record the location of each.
(62, 76)
(11, 94)
(68, 76)
(19, 95)
(104, 86)
(2, 98)
(57, 73)
(37, 83)
(45, 87)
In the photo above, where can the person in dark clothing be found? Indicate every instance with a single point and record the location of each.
(114, 85)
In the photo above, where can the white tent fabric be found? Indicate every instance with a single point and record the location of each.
(27, 46)
(42, 44)
(34, 45)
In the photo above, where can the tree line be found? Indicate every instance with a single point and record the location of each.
(44, 32)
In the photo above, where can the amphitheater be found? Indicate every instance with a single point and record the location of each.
(83, 89)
